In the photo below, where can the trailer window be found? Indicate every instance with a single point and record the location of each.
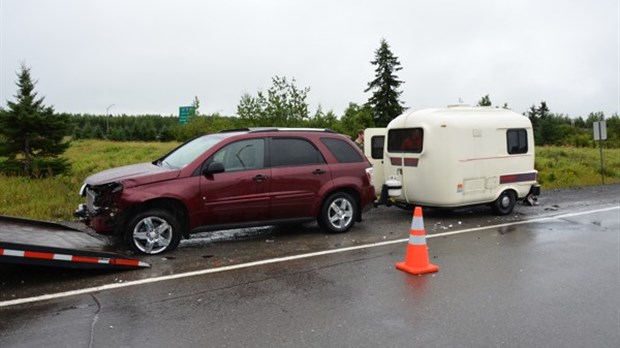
(517, 141)
(376, 146)
(405, 140)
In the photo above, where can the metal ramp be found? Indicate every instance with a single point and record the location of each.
(43, 243)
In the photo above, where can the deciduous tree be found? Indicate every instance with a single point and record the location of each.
(284, 105)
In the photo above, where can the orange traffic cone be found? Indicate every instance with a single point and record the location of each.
(416, 260)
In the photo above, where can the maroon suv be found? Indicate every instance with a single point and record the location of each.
(232, 179)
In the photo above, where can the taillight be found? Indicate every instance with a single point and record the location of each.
(369, 174)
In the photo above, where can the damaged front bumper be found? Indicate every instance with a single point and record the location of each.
(100, 212)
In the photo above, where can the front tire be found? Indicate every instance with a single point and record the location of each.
(505, 203)
(153, 232)
(338, 213)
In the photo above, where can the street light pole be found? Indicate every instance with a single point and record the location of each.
(107, 119)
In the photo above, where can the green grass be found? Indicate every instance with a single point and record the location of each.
(57, 197)
(563, 167)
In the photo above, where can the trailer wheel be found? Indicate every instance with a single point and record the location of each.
(338, 213)
(153, 231)
(505, 203)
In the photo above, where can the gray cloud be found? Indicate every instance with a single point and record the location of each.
(153, 56)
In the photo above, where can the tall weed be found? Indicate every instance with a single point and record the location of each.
(55, 198)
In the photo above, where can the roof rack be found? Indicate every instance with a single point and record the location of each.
(235, 130)
(277, 129)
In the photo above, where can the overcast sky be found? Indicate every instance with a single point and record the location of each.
(150, 57)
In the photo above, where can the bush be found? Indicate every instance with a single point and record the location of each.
(40, 167)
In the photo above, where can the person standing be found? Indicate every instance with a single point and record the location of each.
(359, 141)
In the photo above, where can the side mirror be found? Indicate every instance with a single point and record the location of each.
(214, 168)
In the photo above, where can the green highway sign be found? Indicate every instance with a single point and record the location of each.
(185, 112)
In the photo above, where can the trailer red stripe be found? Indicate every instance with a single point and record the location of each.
(508, 179)
(409, 162)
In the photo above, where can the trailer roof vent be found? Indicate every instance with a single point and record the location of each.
(459, 105)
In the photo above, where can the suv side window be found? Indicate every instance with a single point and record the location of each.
(242, 155)
(516, 140)
(342, 150)
(294, 152)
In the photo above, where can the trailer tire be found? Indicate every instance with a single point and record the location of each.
(338, 213)
(153, 231)
(504, 204)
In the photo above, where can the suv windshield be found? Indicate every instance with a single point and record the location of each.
(189, 151)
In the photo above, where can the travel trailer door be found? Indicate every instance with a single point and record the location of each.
(374, 140)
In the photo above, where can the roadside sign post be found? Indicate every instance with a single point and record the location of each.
(600, 134)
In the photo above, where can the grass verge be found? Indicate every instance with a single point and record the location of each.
(55, 198)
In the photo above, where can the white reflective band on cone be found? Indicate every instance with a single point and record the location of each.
(417, 224)
(417, 240)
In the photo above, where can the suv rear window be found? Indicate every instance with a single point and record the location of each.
(342, 150)
(294, 152)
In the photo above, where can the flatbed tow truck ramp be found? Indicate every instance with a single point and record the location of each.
(43, 243)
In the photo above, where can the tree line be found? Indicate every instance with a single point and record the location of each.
(33, 136)
(549, 128)
(563, 130)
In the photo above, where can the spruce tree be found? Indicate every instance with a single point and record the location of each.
(31, 131)
(385, 101)
(485, 101)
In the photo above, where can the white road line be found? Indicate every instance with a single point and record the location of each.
(277, 260)
(543, 219)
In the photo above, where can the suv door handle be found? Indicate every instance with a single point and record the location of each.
(318, 172)
(260, 177)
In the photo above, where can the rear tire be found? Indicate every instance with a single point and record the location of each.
(338, 213)
(505, 203)
(153, 231)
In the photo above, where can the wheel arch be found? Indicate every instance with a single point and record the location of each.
(174, 206)
(349, 190)
(496, 204)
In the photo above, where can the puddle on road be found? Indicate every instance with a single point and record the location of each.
(206, 238)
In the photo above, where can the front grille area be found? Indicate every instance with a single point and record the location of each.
(91, 196)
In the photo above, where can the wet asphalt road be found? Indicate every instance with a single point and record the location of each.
(553, 282)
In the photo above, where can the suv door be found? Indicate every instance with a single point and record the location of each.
(298, 175)
(241, 192)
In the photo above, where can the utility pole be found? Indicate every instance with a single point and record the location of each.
(107, 119)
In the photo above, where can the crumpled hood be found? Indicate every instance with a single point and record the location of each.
(133, 175)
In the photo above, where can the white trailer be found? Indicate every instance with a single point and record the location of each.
(453, 157)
